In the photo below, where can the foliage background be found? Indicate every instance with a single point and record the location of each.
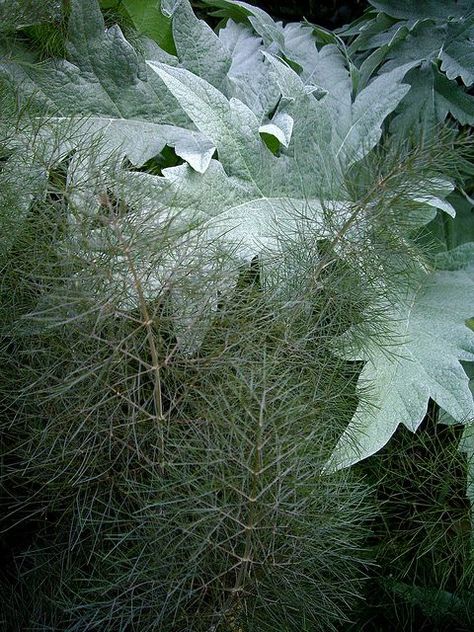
(420, 577)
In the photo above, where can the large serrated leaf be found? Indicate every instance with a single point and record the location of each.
(198, 48)
(457, 54)
(436, 37)
(248, 77)
(422, 43)
(105, 82)
(330, 140)
(231, 61)
(249, 198)
(368, 112)
(430, 338)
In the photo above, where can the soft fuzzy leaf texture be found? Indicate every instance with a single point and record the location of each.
(321, 131)
(183, 461)
(103, 85)
(227, 92)
(431, 98)
(430, 338)
(249, 190)
(232, 60)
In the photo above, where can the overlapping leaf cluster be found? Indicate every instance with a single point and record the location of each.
(438, 39)
(206, 243)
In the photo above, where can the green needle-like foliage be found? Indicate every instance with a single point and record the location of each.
(201, 259)
(171, 487)
(157, 487)
(422, 537)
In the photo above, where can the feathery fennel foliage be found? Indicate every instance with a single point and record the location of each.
(194, 242)
(169, 489)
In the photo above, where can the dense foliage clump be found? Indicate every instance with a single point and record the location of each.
(235, 262)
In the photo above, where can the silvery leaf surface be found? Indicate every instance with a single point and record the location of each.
(430, 339)
(105, 82)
